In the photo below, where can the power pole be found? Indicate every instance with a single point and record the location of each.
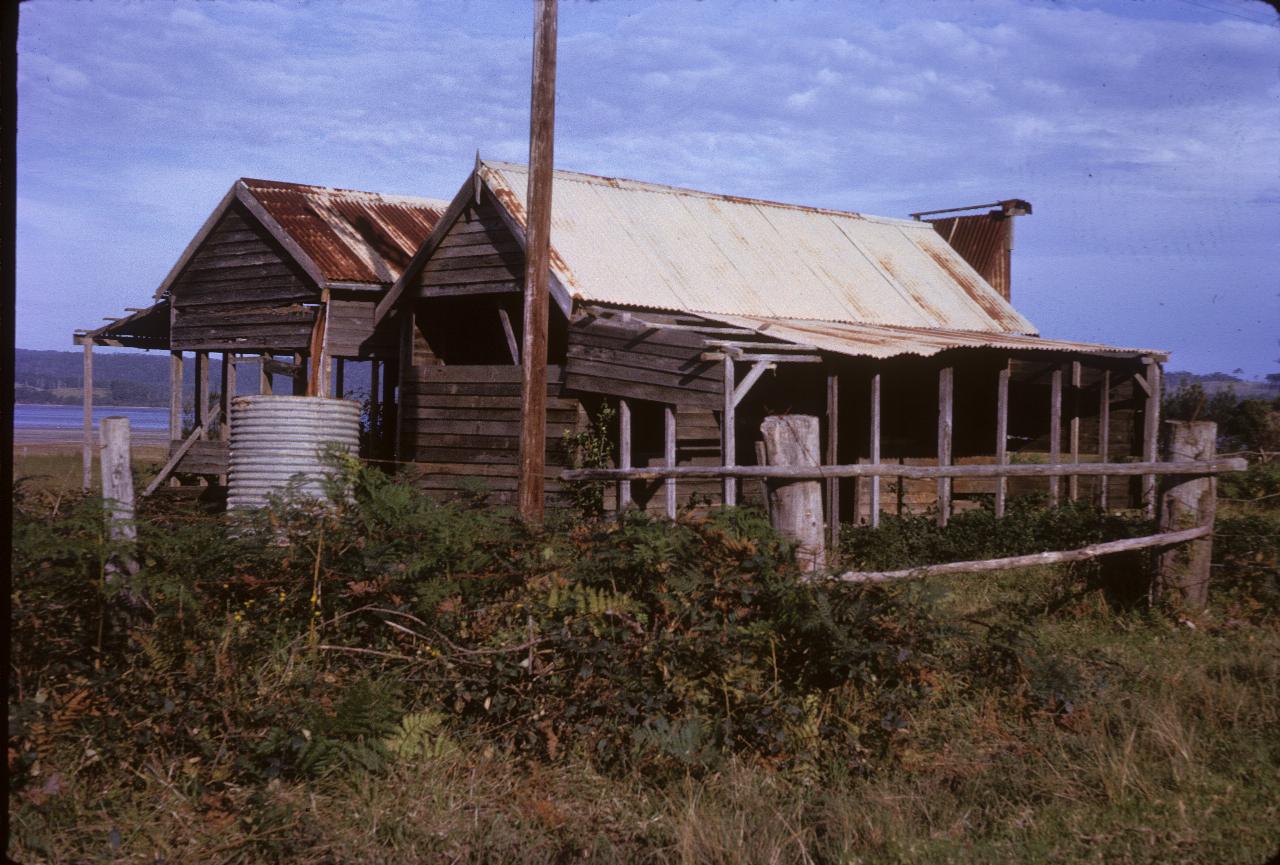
(533, 393)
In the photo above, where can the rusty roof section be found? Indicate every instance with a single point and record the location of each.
(665, 248)
(879, 341)
(351, 236)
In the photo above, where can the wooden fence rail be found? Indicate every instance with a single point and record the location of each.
(1031, 560)
(1186, 504)
(1036, 470)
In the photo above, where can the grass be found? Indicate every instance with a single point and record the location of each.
(1123, 734)
(1170, 755)
(57, 468)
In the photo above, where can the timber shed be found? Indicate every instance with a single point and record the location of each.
(285, 277)
(695, 315)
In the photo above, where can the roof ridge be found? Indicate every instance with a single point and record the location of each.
(386, 196)
(647, 186)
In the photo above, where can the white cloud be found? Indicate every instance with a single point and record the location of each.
(1124, 121)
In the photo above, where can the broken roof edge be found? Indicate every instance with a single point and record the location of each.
(883, 341)
(645, 186)
(108, 333)
(886, 341)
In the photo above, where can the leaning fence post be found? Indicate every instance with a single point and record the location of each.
(117, 488)
(795, 507)
(1186, 502)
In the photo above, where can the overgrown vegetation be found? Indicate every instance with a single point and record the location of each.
(394, 679)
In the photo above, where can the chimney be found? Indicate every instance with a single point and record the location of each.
(985, 240)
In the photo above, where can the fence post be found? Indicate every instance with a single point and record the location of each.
(117, 488)
(1182, 571)
(795, 507)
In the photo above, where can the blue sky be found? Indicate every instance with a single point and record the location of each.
(1146, 134)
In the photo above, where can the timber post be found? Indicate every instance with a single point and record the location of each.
(669, 457)
(87, 393)
(532, 453)
(200, 404)
(833, 449)
(728, 422)
(175, 395)
(1186, 502)
(1002, 434)
(795, 507)
(1055, 433)
(946, 420)
(624, 453)
(1150, 433)
(874, 432)
(117, 487)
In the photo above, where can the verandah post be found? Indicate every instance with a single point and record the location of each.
(1055, 433)
(624, 452)
(833, 441)
(175, 395)
(1104, 434)
(875, 448)
(728, 444)
(1002, 434)
(946, 414)
(1073, 430)
(200, 404)
(669, 457)
(175, 403)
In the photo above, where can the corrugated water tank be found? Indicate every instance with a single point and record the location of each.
(279, 441)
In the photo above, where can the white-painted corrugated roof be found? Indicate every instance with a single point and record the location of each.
(638, 244)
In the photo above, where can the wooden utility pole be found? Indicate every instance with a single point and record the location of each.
(533, 392)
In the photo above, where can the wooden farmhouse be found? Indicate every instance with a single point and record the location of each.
(285, 277)
(693, 316)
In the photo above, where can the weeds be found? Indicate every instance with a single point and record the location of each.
(383, 677)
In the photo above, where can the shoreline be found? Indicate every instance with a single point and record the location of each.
(96, 405)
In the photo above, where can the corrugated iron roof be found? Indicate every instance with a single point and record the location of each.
(659, 247)
(351, 236)
(880, 341)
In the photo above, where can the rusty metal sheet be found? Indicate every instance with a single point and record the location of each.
(658, 247)
(352, 236)
(983, 240)
(880, 341)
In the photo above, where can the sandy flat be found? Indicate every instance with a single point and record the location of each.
(42, 436)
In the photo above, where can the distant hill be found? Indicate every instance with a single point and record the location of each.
(1217, 382)
(143, 379)
(118, 379)
(134, 378)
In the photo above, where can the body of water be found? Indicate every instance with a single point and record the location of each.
(68, 417)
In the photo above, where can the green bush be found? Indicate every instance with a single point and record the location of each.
(1026, 527)
(322, 638)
